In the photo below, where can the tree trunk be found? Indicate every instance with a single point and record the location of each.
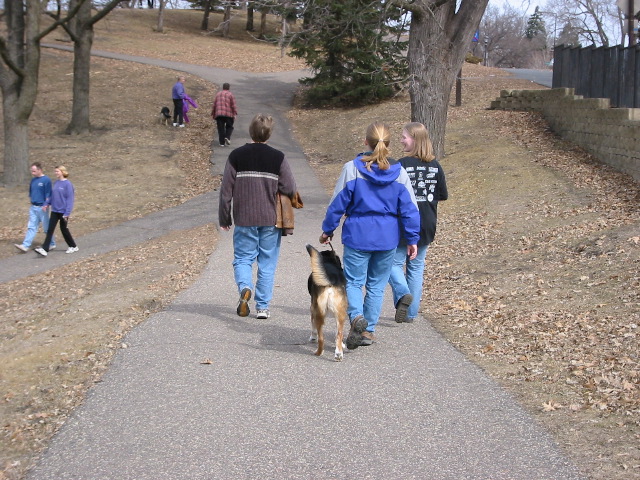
(19, 89)
(438, 42)
(227, 21)
(83, 31)
(263, 22)
(205, 19)
(160, 26)
(81, 28)
(249, 26)
(16, 144)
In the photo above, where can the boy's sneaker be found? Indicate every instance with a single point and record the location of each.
(358, 325)
(72, 250)
(52, 247)
(41, 251)
(263, 313)
(402, 307)
(243, 303)
(227, 142)
(21, 247)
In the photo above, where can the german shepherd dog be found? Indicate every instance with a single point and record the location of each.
(165, 115)
(326, 286)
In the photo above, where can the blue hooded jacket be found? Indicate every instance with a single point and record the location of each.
(378, 204)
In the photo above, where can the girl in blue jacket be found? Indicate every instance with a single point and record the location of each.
(375, 195)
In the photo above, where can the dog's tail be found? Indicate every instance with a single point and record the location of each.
(318, 272)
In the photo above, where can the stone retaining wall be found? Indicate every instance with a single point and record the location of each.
(611, 134)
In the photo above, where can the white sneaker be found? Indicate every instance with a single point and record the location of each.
(41, 251)
(175, 124)
(263, 313)
(19, 246)
(72, 250)
(52, 247)
(227, 142)
(181, 125)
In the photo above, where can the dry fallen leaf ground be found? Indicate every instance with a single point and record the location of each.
(535, 273)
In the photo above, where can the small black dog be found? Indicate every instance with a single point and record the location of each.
(165, 115)
(326, 286)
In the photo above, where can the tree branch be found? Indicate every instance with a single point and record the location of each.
(4, 53)
(105, 11)
(57, 23)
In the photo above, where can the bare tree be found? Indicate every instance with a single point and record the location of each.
(205, 18)
(20, 53)
(249, 26)
(502, 34)
(593, 20)
(80, 30)
(160, 25)
(439, 37)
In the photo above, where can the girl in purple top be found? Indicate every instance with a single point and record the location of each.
(62, 197)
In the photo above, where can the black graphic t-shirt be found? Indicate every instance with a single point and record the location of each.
(429, 186)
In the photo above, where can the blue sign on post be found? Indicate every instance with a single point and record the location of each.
(476, 36)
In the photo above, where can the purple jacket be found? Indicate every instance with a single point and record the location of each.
(185, 106)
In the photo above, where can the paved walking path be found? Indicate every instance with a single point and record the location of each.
(408, 407)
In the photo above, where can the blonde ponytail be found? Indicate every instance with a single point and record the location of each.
(378, 136)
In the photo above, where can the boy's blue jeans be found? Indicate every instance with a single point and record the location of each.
(369, 270)
(36, 216)
(408, 280)
(261, 245)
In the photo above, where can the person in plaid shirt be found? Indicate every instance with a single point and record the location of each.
(224, 112)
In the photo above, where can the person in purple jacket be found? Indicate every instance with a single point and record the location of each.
(177, 95)
(375, 196)
(62, 198)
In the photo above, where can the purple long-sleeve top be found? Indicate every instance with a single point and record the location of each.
(62, 197)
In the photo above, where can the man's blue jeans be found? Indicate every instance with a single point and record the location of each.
(408, 280)
(261, 245)
(37, 216)
(369, 270)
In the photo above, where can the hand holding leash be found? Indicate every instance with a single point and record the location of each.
(324, 238)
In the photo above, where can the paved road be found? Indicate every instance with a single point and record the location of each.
(408, 407)
(543, 77)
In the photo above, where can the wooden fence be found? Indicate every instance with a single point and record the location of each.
(600, 72)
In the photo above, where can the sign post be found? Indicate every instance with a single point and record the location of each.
(628, 9)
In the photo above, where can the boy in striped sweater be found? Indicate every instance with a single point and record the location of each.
(253, 175)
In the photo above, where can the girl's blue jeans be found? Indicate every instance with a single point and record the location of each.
(407, 277)
(259, 245)
(369, 270)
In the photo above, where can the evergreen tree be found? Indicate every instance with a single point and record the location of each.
(353, 49)
(535, 26)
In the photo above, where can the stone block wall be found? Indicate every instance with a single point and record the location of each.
(610, 134)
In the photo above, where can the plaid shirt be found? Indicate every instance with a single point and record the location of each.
(224, 105)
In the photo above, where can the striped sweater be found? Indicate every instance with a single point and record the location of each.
(254, 173)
